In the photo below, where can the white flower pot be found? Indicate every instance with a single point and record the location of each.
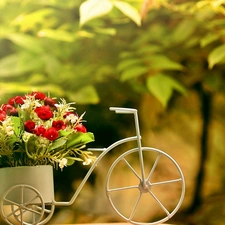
(40, 178)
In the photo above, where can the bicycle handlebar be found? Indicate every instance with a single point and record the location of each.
(123, 110)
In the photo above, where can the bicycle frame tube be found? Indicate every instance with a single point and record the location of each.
(137, 128)
(106, 150)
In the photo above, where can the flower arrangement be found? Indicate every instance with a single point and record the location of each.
(37, 130)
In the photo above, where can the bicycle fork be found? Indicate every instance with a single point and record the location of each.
(143, 182)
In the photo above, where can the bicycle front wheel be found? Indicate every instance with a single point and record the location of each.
(151, 195)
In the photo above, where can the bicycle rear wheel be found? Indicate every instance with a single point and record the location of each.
(150, 201)
(28, 208)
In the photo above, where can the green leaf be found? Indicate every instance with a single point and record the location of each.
(124, 64)
(217, 3)
(71, 160)
(36, 79)
(91, 9)
(64, 133)
(53, 65)
(133, 72)
(5, 31)
(59, 35)
(162, 86)
(31, 145)
(58, 143)
(216, 56)
(201, 4)
(149, 49)
(78, 139)
(17, 64)
(209, 38)
(26, 41)
(85, 95)
(29, 20)
(163, 63)
(84, 33)
(129, 11)
(17, 130)
(109, 31)
(183, 31)
(16, 125)
(13, 88)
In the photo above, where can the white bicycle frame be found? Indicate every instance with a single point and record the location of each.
(106, 150)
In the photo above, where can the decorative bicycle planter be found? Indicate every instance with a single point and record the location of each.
(29, 200)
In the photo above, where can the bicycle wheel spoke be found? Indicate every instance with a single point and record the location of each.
(12, 213)
(17, 212)
(32, 200)
(160, 203)
(45, 210)
(31, 210)
(21, 217)
(154, 166)
(122, 188)
(166, 182)
(135, 207)
(10, 201)
(20, 212)
(132, 169)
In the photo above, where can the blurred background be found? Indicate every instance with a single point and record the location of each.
(165, 58)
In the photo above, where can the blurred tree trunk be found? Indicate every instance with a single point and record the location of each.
(206, 108)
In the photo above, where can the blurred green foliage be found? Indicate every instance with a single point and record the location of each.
(50, 45)
(114, 52)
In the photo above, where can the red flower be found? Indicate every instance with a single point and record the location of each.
(38, 95)
(2, 115)
(9, 109)
(44, 112)
(51, 134)
(59, 125)
(49, 101)
(13, 112)
(81, 128)
(70, 113)
(29, 126)
(19, 100)
(40, 131)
